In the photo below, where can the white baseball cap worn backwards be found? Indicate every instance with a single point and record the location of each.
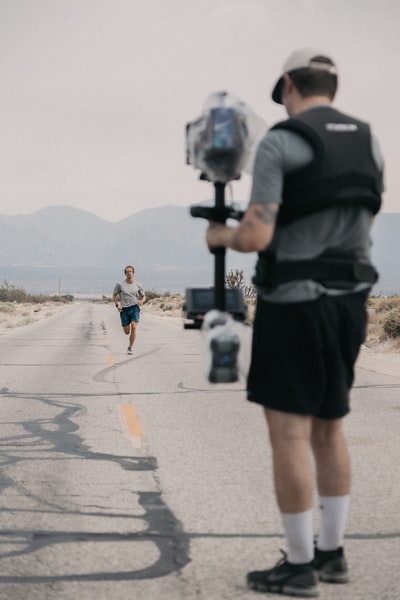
(304, 58)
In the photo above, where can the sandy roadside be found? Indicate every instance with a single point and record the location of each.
(14, 315)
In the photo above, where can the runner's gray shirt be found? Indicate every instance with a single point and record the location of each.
(129, 293)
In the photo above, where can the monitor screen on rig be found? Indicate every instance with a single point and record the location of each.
(201, 300)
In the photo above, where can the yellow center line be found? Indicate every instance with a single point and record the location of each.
(131, 424)
(110, 360)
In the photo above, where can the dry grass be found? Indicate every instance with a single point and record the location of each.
(379, 311)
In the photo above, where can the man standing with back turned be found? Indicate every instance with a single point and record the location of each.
(317, 184)
(129, 297)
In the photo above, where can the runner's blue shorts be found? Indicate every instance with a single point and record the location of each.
(129, 314)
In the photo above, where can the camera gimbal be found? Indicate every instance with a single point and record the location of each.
(200, 300)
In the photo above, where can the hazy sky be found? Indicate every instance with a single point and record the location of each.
(95, 94)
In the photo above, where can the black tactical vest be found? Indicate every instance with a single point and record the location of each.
(343, 171)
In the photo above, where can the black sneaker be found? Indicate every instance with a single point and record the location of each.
(285, 578)
(331, 565)
(129, 350)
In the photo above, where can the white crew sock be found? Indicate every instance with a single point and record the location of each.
(333, 513)
(299, 536)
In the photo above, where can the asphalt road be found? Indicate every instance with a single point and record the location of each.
(132, 477)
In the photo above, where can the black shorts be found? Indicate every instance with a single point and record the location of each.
(304, 353)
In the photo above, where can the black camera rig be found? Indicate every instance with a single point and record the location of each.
(201, 300)
(219, 144)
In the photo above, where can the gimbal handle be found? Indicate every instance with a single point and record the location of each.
(218, 213)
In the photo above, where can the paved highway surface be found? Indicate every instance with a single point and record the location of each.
(131, 477)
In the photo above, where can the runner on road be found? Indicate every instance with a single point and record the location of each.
(128, 297)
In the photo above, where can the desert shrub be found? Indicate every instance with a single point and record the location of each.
(152, 294)
(40, 299)
(382, 305)
(169, 306)
(7, 307)
(65, 298)
(12, 293)
(27, 320)
(235, 279)
(391, 322)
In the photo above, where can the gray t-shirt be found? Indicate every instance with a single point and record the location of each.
(129, 293)
(345, 228)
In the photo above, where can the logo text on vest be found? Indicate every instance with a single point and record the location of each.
(346, 127)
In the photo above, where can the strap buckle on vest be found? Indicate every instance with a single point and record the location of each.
(363, 272)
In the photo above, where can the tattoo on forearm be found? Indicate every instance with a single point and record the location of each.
(250, 226)
(266, 213)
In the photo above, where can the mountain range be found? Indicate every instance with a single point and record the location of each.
(61, 249)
